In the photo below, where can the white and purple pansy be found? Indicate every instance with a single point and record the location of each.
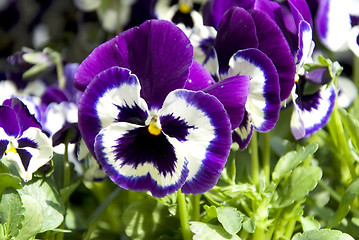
(249, 43)
(313, 101)
(22, 141)
(145, 130)
(311, 111)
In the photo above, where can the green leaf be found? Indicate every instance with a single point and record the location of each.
(211, 212)
(3, 168)
(9, 180)
(142, 218)
(33, 218)
(53, 209)
(291, 160)
(344, 206)
(205, 231)
(351, 125)
(309, 223)
(249, 225)
(321, 234)
(300, 182)
(230, 218)
(68, 190)
(11, 212)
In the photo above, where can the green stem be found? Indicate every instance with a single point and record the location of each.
(331, 191)
(336, 196)
(356, 71)
(93, 219)
(343, 143)
(259, 234)
(196, 207)
(183, 214)
(67, 167)
(254, 159)
(266, 156)
(290, 229)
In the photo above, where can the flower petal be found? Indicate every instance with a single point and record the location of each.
(313, 111)
(305, 45)
(199, 78)
(206, 142)
(202, 38)
(9, 121)
(243, 134)
(273, 43)
(137, 160)
(36, 143)
(232, 92)
(25, 118)
(235, 32)
(157, 52)
(263, 102)
(113, 96)
(213, 10)
(333, 24)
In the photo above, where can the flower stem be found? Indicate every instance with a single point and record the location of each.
(67, 168)
(183, 214)
(93, 219)
(342, 142)
(266, 156)
(196, 207)
(356, 71)
(254, 158)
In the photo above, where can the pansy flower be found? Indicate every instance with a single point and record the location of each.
(21, 140)
(313, 101)
(147, 132)
(247, 42)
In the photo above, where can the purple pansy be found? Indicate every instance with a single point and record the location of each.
(147, 132)
(313, 101)
(21, 140)
(247, 42)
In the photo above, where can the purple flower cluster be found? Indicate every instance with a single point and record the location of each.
(160, 104)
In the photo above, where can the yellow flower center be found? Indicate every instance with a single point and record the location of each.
(11, 149)
(153, 129)
(185, 9)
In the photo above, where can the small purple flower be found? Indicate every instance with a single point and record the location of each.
(147, 132)
(21, 140)
(313, 101)
(247, 42)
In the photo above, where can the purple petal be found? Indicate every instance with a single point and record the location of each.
(300, 11)
(235, 32)
(274, 45)
(113, 96)
(157, 52)
(213, 10)
(53, 94)
(211, 64)
(3, 146)
(332, 24)
(243, 134)
(319, 76)
(25, 118)
(207, 138)
(232, 93)
(137, 160)
(263, 102)
(313, 111)
(9, 121)
(199, 78)
(305, 44)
